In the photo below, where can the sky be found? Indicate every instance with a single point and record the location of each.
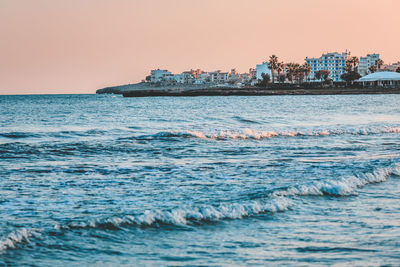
(78, 46)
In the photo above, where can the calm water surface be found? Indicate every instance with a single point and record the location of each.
(282, 180)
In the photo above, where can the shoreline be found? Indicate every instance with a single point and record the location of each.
(251, 91)
(148, 90)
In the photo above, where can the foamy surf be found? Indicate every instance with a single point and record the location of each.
(14, 238)
(278, 201)
(187, 216)
(259, 134)
(340, 187)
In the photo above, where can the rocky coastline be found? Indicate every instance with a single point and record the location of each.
(148, 90)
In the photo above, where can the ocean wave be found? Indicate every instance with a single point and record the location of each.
(340, 187)
(258, 134)
(244, 120)
(187, 216)
(54, 134)
(276, 201)
(19, 135)
(14, 238)
(214, 135)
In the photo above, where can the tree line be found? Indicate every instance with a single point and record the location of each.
(294, 71)
(299, 73)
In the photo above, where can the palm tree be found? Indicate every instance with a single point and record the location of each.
(379, 62)
(349, 66)
(299, 72)
(279, 69)
(355, 61)
(322, 75)
(306, 69)
(292, 70)
(352, 64)
(372, 69)
(272, 65)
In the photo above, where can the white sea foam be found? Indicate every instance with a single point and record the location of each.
(278, 201)
(259, 134)
(189, 216)
(340, 187)
(14, 238)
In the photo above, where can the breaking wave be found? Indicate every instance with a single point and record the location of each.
(14, 238)
(341, 187)
(277, 201)
(189, 216)
(257, 134)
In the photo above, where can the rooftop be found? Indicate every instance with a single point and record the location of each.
(381, 76)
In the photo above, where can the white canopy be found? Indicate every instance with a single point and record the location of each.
(381, 76)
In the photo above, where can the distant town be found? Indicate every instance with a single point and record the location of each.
(329, 68)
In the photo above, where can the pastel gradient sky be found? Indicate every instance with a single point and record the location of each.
(78, 46)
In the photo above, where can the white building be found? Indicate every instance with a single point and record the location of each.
(332, 62)
(205, 77)
(391, 67)
(159, 75)
(234, 76)
(184, 77)
(366, 62)
(262, 68)
(219, 77)
(201, 77)
(383, 78)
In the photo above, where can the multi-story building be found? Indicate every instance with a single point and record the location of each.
(245, 77)
(196, 74)
(332, 62)
(262, 68)
(367, 62)
(184, 77)
(234, 76)
(391, 67)
(159, 75)
(201, 77)
(205, 77)
(253, 73)
(218, 76)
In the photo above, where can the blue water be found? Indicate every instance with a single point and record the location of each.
(279, 180)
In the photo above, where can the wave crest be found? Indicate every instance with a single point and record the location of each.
(15, 238)
(341, 187)
(259, 134)
(277, 201)
(189, 216)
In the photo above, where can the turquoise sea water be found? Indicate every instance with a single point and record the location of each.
(220, 181)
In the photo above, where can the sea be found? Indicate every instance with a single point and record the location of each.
(200, 181)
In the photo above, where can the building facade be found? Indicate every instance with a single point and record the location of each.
(262, 68)
(219, 77)
(391, 67)
(159, 75)
(332, 62)
(367, 62)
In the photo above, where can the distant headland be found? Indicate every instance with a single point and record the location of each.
(144, 90)
(332, 73)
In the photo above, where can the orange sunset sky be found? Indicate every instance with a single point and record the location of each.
(78, 46)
